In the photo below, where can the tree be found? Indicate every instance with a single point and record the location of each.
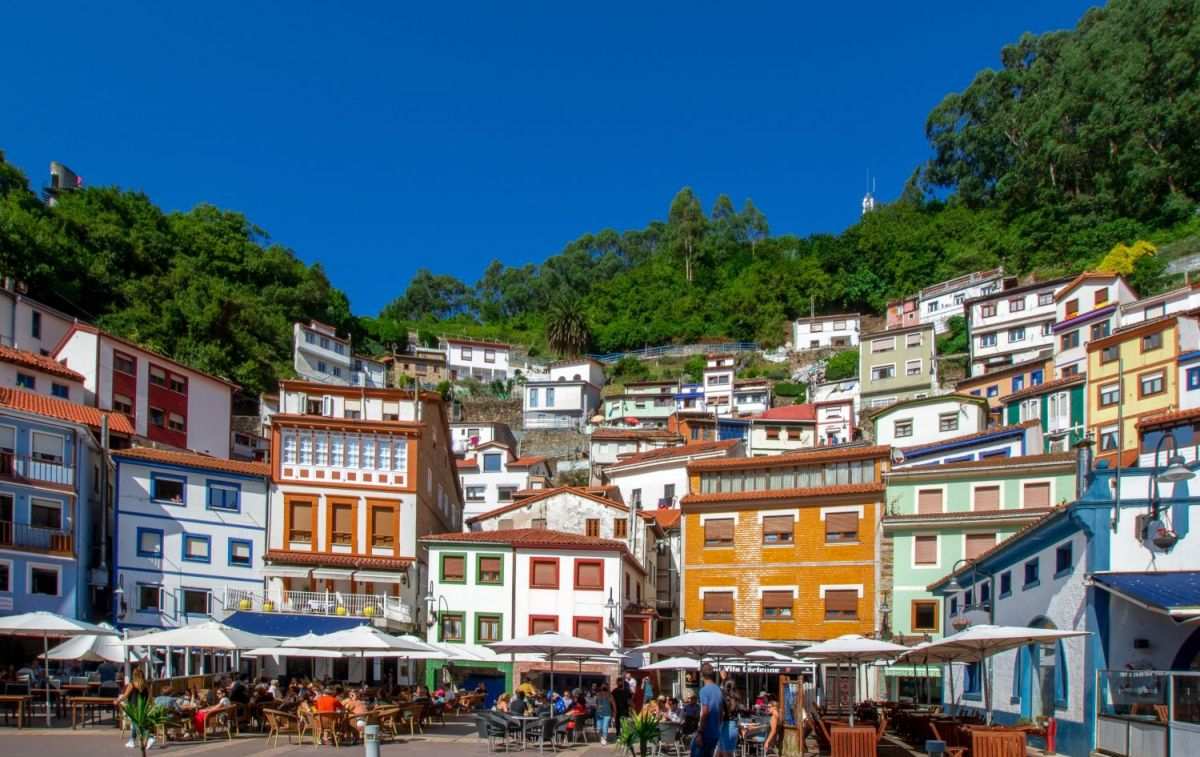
(686, 227)
(841, 366)
(566, 328)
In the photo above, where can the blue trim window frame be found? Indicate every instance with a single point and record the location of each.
(1035, 378)
(973, 681)
(170, 498)
(225, 496)
(1018, 383)
(143, 532)
(1193, 378)
(1064, 559)
(249, 550)
(1006, 583)
(993, 390)
(62, 391)
(1032, 573)
(953, 606)
(197, 538)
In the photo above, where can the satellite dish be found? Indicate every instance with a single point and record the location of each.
(897, 456)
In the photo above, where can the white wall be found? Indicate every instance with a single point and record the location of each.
(836, 420)
(792, 436)
(42, 381)
(651, 481)
(925, 419)
(842, 327)
(467, 366)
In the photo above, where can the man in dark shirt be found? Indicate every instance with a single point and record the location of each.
(620, 697)
(518, 705)
(711, 705)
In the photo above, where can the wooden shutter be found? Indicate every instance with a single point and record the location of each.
(589, 629)
(841, 601)
(589, 575)
(1036, 495)
(545, 573)
(718, 604)
(839, 525)
(929, 501)
(778, 524)
(343, 525)
(538, 625)
(453, 567)
(301, 528)
(489, 567)
(718, 530)
(925, 549)
(383, 527)
(977, 544)
(781, 601)
(987, 498)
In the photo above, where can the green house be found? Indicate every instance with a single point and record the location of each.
(939, 516)
(1060, 405)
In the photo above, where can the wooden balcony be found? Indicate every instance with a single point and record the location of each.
(23, 536)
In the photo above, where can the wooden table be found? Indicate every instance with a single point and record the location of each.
(81, 707)
(19, 702)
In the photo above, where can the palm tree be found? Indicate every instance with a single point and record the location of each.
(566, 328)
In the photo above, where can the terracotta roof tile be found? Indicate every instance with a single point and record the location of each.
(855, 451)
(1129, 458)
(1070, 286)
(322, 560)
(1169, 417)
(667, 517)
(539, 537)
(525, 462)
(805, 411)
(821, 491)
(52, 407)
(1052, 512)
(472, 464)
(991, 462)
(193, 460)
(38, 362)
(669, 453)
(1045, 386)
(979, 435)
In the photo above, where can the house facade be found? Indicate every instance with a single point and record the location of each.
(1016, 440)
(1179, 300)
(783, 429)
(1086, 310)
(751, 396)
(1012, 325)
(1002, 381)
(657, 479)
(480, 360)
(835, 422)
(191, 532)
(607, 446)
(720, 371)
(491, 475)
(566, 398)
(643, 403)
(27, 324)
(897, 365)
(39, 374)
(825, 331)
(690, 399)
(930, 420)
(935, 305)
(319, 354)
(425, 366)
(467, 435)
(1059, 405)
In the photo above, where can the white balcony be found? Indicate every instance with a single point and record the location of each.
(380, 608)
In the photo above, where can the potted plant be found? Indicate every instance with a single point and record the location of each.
(340, 611)
(244, 603)
(640, 731)
(145, 717)
(1165, 539)
(960, 622)
(369, 611)
(268, 606)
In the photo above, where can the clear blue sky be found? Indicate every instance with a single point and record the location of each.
(388, 136)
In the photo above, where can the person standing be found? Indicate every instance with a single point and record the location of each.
(647, 689)
(137, 690)
(728, 741)
(620, 697)
(712, 705)
(604, 712)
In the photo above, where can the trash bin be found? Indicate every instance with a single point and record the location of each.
(933, 747)
(371, 741)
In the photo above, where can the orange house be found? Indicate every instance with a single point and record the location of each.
(784, 547)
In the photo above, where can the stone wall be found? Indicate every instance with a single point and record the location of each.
(492, 410)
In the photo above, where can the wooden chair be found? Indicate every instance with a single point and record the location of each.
(281, 723)
(852, 741)
(989, 743)
(386, 716)
(881, 727)
(218, 720)
(411, 714)
(951, 750)
(332, 723)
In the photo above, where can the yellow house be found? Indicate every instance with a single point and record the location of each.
(784, 547)
(1133, 374)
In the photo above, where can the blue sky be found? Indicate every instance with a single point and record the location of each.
(384, 137)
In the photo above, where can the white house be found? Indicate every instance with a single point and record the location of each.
(783, 429)
(609, 445)
(751, 396)
(1012, 325)
(492, 474)
(1016, 440)
(319, 354)
(480, 360)
(566, 398)
(169, 402)
(187, 528)
(825, 331)
(939, 302)
(929, 420)
(834, 421)
(1178, 300)
(838, 391)
(658, 478)
(1086, 309)
(466, 435)
(29, 325)
(39, 374)
(719, 373)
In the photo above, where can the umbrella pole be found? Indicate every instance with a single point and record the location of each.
(987, 687)
(46, 667)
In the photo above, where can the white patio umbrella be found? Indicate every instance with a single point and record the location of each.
(91, 648)
(922, 654)
(360, 640)
(709, 644)
(207, 635)
(854, 649)
(673, 663)
(552, 645)
(983, 641)
(45, 625)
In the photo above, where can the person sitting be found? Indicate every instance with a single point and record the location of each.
(578, 707)
(768, 733)
(327, 702)
(651, 710)
(670, 710)
(202, 714)
(357, 709)
(502, 702)
(517, 705)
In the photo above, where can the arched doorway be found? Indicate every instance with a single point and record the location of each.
(1047, 673)
(1188, 656)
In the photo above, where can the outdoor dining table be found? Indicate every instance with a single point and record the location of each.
(19, 703)
(55, 695)
(83, 707)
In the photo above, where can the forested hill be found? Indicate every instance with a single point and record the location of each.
(1078, 141)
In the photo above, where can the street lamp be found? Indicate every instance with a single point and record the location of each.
(434, 604)
(1162, 535)
(954, 587)
(885, 610)
(612, 607)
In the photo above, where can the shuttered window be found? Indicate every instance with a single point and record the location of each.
(543, 573)
(718, 605)
(542, 624)
(342, 531)
(383, 527)
(929, 501)
(777, 529)
(925, 550)
(590, 629)
(987, 498)
(977, 544)
(1036, 495)
(718, 532)
(841, 604)
(489, 570)
(841, 527)
(454, 569)
(589, 574)
(776, 605)
(301, 527)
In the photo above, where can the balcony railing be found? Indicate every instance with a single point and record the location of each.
(35, 538)
(25, 468)
(333, 603)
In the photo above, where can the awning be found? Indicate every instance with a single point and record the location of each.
(333, 574)
(1175, 594)
(380, 576)
(285, 625)
(912, 671)
(286, 571)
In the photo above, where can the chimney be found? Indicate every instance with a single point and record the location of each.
(1083, 464)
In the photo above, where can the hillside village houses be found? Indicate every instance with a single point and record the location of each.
(1012, 325)
(646, 404)
(826, 331)
(1086, 309)
(492, 474)
(566, 397)
(319, 354)
(477, 359)
(936, 304)
(897, 365)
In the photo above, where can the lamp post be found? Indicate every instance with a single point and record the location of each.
(614, 625)
(885, 610)
(433, 606)
(954, 587)
(1176, 471)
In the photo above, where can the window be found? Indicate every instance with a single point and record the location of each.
(1035, 377)
(1108, 438)
(505, 493)
(1100, 330)
(549, 396)
(450, 627)
(1031, 573)
(1069, 340)
(158, 417)
(341, 524)
(929, 501)
(533, 396)
(1110, 354)
(158, 377)
(883, 345)
(718, 532)
(149, 542)
(543, 573)
(489, 356)
(167, 489)
(475, 493)
(122, 404)
(977, 544)
(621, 529)
(490, 570)
(124, 363)
(195, 602)
(589, 575)
(953, 605)
(222, 496)
(881, 372)
(912, 367)
(175, 422)
(1193, 378)
(841, 604)
(772, 432)
(1151, 383)
(591, 629)
(902, 429)
(543, 623)
(718, 605)
(25, 381)
(948, 422)
(816, 326)
(987, 340)
(592, 527)
(487, 628)
(1152, 341)
(972, 681)
(196, 548)
(986, 498)
(1063, 559)
(383, 527)
(777, 529)
(841, 527)
(1006, 583)
(777, 605)
(454, 570)
(1101, 296)
(47, 448)
(1110, 394)
(987, 310)
(1045, 298)
(1047, 328)
(467, 353)
(925, 550)
(913, 340)
(240, 551)
(993, 390)
(1071, 308)
(300, 518)
(491, 462)
(925, 615)
(35, 325)
(1036, 495)
(62, 391)
(1018, 383)
(149, 598)
(178, 383)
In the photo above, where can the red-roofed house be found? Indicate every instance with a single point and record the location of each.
(39, 374)
(835, 421)
(783, 429)
(491, 475)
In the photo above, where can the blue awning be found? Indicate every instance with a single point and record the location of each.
(1175, 594)
(285, 625)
